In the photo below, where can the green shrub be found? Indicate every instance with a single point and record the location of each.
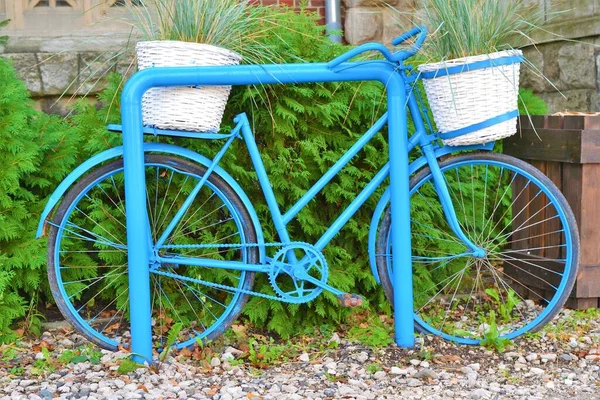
(36, 152)
(530, 104)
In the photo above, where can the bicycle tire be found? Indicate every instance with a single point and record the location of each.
(520, 172)
(90, 196)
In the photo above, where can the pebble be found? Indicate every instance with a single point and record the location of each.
(426, 374)
(536, 371)
(380, 375)
(527, 371)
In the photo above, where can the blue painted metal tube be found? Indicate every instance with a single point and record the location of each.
(263, 179)
(137, 228)
(353, 207)
(400, 204)
(137, 85)
(335, 168)
(209, 263)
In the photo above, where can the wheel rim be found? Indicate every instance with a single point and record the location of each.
(503, 269)
(95, 221)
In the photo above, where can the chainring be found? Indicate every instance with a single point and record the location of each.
(282, 279)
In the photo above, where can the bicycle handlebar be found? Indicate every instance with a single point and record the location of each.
(392, 57)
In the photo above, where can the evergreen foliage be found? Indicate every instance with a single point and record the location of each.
(36, 152)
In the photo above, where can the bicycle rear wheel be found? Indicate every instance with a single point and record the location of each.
(87, 254)
(523, 222)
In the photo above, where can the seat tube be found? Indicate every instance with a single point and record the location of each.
(399, 199)
(441, 187)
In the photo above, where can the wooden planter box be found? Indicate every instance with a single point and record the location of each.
(567, 150)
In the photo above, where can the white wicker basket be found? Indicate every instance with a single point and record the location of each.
(184, 108)
(470, 97)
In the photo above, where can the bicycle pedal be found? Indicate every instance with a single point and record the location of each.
(350, 300)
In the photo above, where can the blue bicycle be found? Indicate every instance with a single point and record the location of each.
(494, 242)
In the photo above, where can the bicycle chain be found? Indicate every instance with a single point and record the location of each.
(218, 285)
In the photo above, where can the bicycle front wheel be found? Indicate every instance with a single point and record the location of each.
(87, 254)
(522, 221)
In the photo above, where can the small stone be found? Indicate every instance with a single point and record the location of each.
(416, 363)
(331, 365)
(474, 367)
(234, 351)
(361, 357)
(548, 357)
(530, 304)
(522, 360)
(345, 390)
(573, 343)
(227, 357)
(39, 356)
(426, 374)
(44, 394)
(329, 392)
(550, 385)
(537, 371)
(519, 366)
(215, 362)
(119, 383)
(566, 357)
(480, 394)
(424, 364)
(398, 371)
(412, 382)
(304, 357)
(568, 382)
(379, 375)
(531, 357)
(335, 338)
(26, 382)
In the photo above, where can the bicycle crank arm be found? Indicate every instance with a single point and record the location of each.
(346, 299)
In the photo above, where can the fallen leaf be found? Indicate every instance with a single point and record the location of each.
(144, 388)
(212, 391)
(185, 352)
(123, 349)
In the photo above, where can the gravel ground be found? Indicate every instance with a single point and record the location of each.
(563, 361)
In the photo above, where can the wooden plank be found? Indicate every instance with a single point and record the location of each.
(590, 146)
(520, 214)
(571, 188)
(582, 303)
(554, 238)
(536, 222)
(588, 281)
(590, 215)
(546, 145)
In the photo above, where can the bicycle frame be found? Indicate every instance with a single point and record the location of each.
(427, 143)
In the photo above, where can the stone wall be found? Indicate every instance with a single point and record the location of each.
(571, 62)
(569, 58)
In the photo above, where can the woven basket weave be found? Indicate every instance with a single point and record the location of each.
(184, 108)
(467, 98)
